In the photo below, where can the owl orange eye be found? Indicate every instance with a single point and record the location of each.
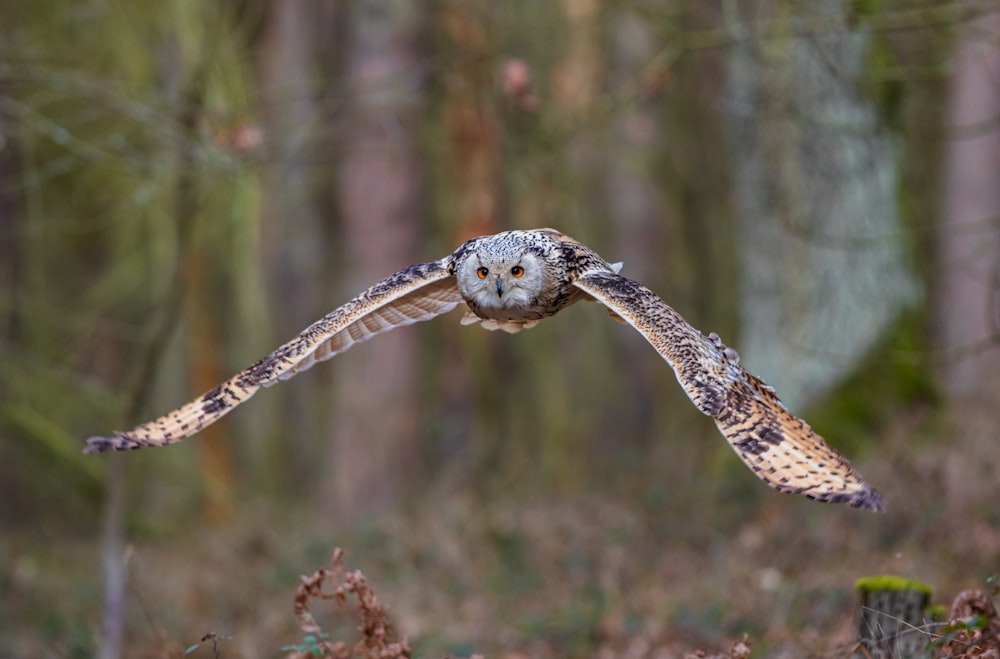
(517, 271)
(482, 272)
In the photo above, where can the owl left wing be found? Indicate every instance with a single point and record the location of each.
(779, 447)
(417, 293)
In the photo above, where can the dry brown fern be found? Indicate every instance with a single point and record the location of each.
(973, 628)
(379, 639)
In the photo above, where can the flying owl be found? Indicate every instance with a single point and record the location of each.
(510, 281)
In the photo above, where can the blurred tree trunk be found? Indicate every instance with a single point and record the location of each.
(469, 198)
(473, 158)
(563, 196)
(198, 267)
(968, 304)
(374, 431)
(816, 178)
(10, 212)
(636, 204)
(293, 238)
(636, 135)
(11, 251)
(188, 88)
(576, 77)
(205, 362)
(685, 251)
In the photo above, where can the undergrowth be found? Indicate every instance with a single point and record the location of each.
(972, 629)
(600, 573)
(380, 640)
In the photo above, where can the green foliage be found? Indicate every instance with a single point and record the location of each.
(880, 79)
(92, 122)
(894, 377)
(663, 524)
(885, 90)
(958, 630)
(937, 612)
(310, 644)
(52, 440)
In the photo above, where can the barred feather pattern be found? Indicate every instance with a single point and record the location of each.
(510, 281)
(780, 448)
(417, 293)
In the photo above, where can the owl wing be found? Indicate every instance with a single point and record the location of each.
(779, 447)
(417, 293)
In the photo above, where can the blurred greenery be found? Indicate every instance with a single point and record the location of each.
(178, 182)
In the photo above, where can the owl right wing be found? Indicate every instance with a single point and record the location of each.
(780, 448)
(417, 293)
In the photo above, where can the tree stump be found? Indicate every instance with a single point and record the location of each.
(892, 618)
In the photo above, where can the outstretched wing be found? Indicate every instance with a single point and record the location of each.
(417, 293)
(779, 447)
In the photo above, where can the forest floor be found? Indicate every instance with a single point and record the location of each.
(637, 569)
(574, 575)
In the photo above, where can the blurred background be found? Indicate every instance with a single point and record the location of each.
(185, 185)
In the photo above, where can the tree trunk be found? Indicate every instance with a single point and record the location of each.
(473, 159)
(374, 432)
(11, 252)
(205, 370)
(892, 618)
(635, 201)
(469, 197)
(292, 227)
(968, 305)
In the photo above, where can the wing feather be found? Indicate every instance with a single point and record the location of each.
(417, 293)
(779, 447)
(424, 303)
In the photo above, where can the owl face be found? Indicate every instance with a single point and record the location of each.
(501, 279)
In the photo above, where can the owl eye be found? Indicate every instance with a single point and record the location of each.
(482, 272)
(517, 271)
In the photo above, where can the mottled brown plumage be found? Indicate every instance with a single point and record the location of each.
(511, 281)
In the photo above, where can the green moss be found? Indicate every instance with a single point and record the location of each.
(891, 379)
(862, 9)
(891, 582)
(879, 78)
(882, 85)
(938, 612)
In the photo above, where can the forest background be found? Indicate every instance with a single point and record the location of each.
(185, 185)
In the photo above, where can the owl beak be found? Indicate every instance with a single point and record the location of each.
(499, 287)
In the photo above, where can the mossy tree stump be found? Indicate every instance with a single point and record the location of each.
(892, 618)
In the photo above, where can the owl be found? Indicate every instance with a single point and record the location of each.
(510, 281)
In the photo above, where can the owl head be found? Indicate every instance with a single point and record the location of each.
(501, 273)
